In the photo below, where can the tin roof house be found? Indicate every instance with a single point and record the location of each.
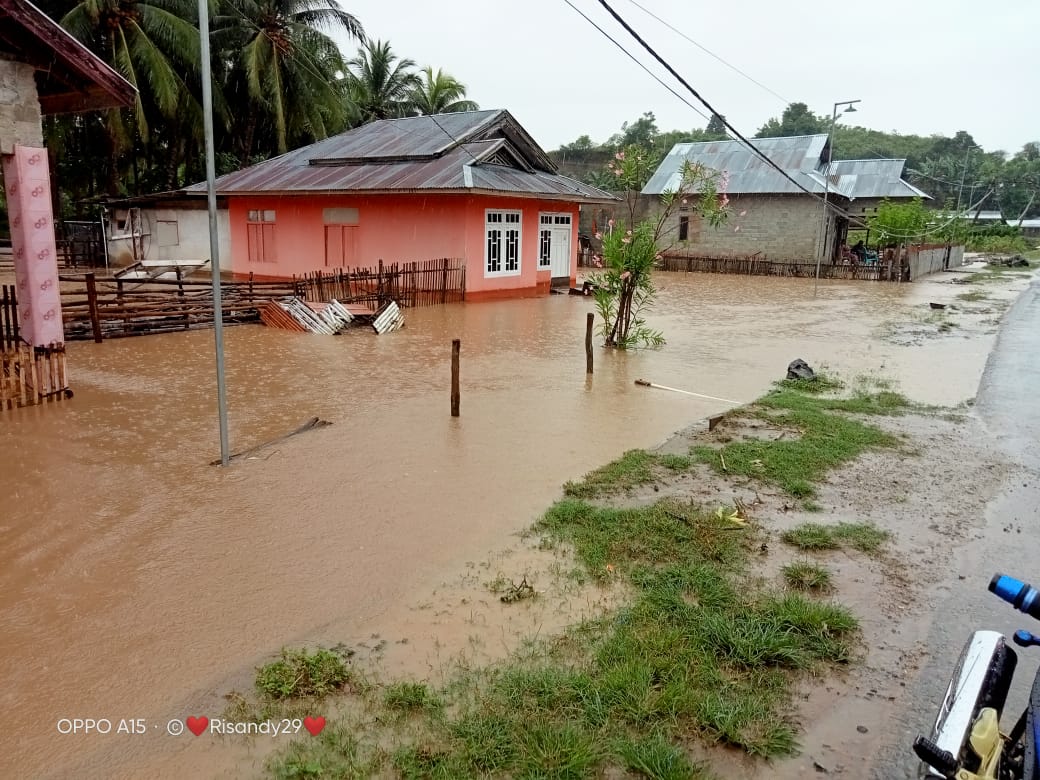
(471, 185)
(772, 215)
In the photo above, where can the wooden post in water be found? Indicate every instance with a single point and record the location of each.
(95, 321)
(456, 346)
(590, 318)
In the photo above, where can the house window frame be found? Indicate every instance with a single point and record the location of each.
(547, 221)
(502, 240)
(256, 219)
(684, 228)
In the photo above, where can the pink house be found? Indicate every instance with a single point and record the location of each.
(471, 185)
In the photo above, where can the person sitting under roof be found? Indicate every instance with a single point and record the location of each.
(859, 249)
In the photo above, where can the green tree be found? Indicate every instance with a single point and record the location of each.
(625, 289)
(381, 84)
(797, 119)
(440, 93)
(900, 223)
(643, 132)
(716, 125)
(581, 144)
(283, 68)
(153, 44)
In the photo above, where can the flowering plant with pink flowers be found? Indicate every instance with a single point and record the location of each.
(624, 291)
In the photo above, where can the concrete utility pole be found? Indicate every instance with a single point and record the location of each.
(214, 247)
(827, 188)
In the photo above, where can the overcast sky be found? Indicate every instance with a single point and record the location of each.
(919, 66)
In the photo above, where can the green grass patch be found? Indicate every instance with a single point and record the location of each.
(335, 752)
(635, 467)
(806, 575)
(972, 296)
(702, 651)
(821, 384)
(655, 757)
(861, 536)
(675, 462)
(864, 537)
(409, 697)
(825, 440)
(300, 673)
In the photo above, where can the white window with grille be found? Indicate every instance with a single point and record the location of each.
(502, 250)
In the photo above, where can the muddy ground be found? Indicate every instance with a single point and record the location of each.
(930, 494)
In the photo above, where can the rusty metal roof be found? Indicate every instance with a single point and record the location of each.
(471, 151)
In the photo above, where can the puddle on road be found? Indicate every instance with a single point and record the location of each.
(139, 582)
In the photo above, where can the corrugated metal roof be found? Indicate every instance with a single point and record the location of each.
(448, 153)
(876, 178)
(799, 156)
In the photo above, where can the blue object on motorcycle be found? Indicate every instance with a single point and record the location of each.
(1026, 639)
(1018, 594)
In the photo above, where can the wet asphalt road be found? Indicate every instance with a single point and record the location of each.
(1008, 403)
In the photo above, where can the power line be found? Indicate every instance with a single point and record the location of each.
(736, 134)
(632, 57)
(710, 53)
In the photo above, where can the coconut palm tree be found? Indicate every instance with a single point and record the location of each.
(380, 84)
(153, 44)
(283, 68)
(440, 93)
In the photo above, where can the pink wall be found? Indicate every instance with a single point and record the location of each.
(27, 182)
(398, 228)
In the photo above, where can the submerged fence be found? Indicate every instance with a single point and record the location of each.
(758, 266)
(32, 375)
(114, 308)
(895, 265)
(8, 317)
(424, 283)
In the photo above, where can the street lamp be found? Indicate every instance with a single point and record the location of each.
(827, 186)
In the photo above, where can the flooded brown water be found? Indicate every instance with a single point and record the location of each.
(140, 582)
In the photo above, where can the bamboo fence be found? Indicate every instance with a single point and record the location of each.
(32, 375)
(424, 283)
(8, 317)
(760, 266)
(114, 308)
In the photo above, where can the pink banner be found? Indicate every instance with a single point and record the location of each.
(27, 182)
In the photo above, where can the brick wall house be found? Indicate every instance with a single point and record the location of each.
(770, 215)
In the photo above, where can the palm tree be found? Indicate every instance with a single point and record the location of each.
(153, 44)
(380, 84)
(440, 93)
(283, 68)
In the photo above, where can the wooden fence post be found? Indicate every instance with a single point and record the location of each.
(590, 318)
(92, 304)
(456, 346)
(444, 282)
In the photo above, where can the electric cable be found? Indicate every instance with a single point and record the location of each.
(635, 60)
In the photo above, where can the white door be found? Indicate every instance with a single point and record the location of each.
(560, 252)
(554, 244)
